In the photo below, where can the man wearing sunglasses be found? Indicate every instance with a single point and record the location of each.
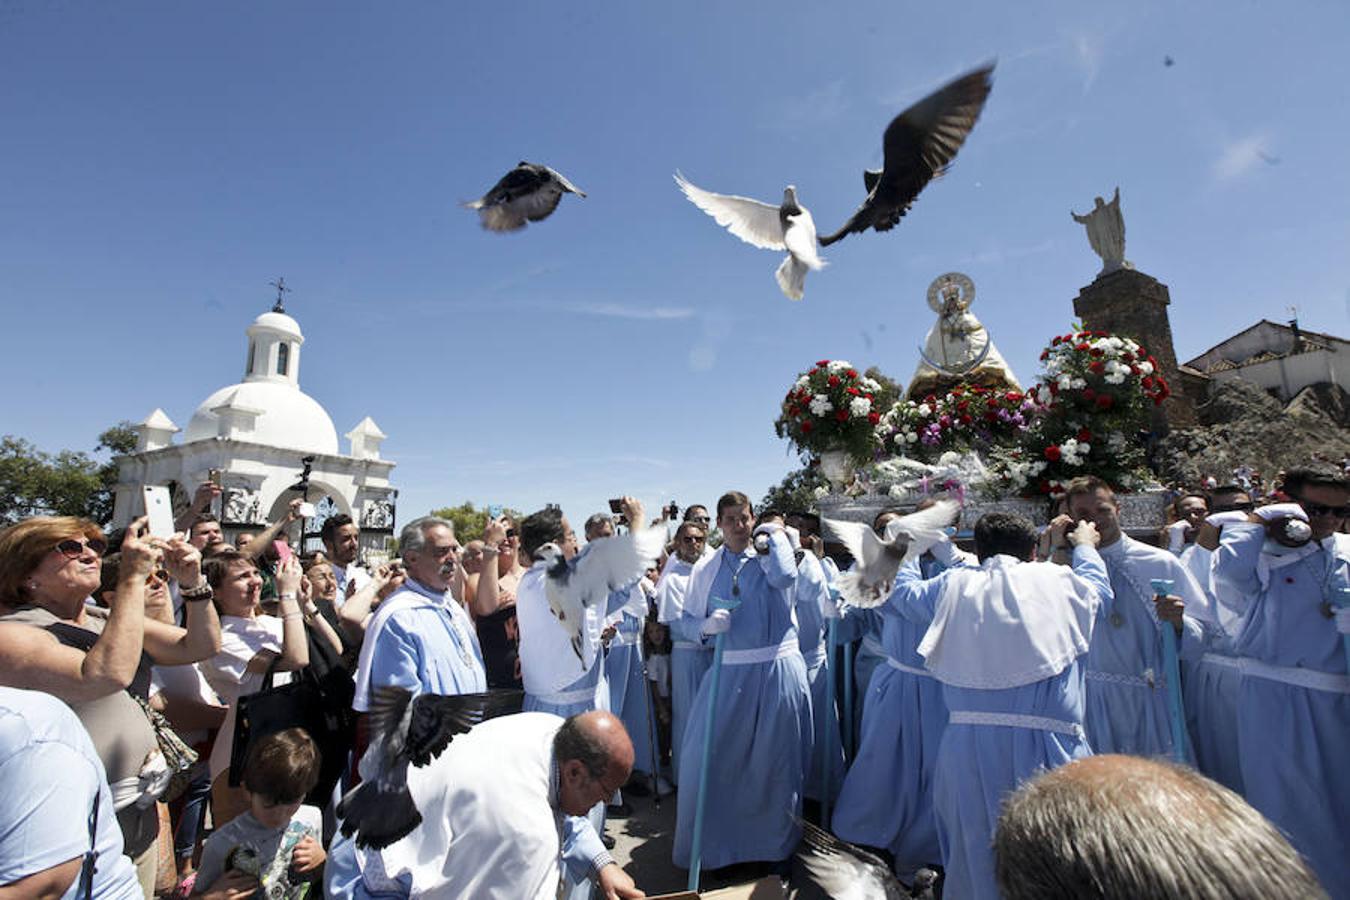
(1293, 708)
(690, 657)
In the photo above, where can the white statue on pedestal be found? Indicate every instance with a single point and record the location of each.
(1106, 233)
(958, 348)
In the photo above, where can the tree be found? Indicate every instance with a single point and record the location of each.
(68, 483)
(470, 521)
(796, 492)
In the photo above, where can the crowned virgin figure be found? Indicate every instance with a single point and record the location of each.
(958, 349)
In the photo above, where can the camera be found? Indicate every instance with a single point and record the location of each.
(674, 510)
(616, 506)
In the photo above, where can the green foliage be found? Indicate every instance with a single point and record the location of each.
(67, 483)
(470, 521)
(796, 492)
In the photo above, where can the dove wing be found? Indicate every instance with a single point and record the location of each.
(850, 534)
(388, 703)
(607, 565)
(564, 183)
(438, 718)
(842, 871)
(800, 239)
(923, 528)
(752, 221)
(922, 141)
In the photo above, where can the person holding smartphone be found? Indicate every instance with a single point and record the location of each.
(494, 603)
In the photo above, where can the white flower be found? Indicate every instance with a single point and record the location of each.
(820, 405)
(1115, 378)
(838, 365)
(821, 492)
(1146, 368)
(803, 383)
(1078, 384)
(1065, 382)
(859, 407)
(911, 436)
(925, 409)
(869, 385)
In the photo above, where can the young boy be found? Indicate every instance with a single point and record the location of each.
(274, 848)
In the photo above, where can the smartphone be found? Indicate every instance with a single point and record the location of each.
(283, 550)
(307, 510)
(494, 511)
(616, 506)
(159, 509)
(214, 476)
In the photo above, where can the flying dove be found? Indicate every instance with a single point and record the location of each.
(529, 192)
(879, 558)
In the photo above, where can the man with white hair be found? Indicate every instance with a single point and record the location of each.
(420, 638)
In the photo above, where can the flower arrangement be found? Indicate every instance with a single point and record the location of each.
(832, 407)
(966, 418)
(1097, 390)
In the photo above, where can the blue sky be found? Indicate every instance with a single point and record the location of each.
(160, 163)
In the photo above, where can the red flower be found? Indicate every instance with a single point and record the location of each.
(991, 416)
(962, 406)
(966, 420)
(1045, 354)
(852, 373)
(852, 390)
(833, 381)
(1044, 486)
(806, 426)
(1089, 394)
(930, 400)
(1106, 401)
(945, 422)
(842, 415)
(1098, 367)
(1097, 351)
(1084, 436)
(867, 396)
(874, 418)
(1147, 382)
(1054, 388)
(1055, 343)
(1127, 356)
(1052, 453)
(1083, 347)
(1134, 370)
(1151, 361)
(822, 364)
(1100, 334)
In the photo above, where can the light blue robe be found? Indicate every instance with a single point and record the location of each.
(628, 698)
(429, 647)
(1127, 708)
(690, 655)
(887, 798)
(811, 591)
(1293, 741)
(762, 724)
(978, 765)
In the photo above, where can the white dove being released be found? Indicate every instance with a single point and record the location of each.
(584, 583)
(788, 226)
(879, 558)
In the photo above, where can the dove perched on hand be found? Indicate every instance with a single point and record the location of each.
(919, 145)
(585, 582)
(879, 558)
(845, 872)
(788, 226)
(410, 730)
(529, 192)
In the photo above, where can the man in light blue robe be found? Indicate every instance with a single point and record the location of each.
(1294, 694)
(420, 638)
(1127, 706)
(762, 721)
(690, 655)
(887, 798)
(1007, 641)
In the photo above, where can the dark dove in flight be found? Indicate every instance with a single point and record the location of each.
(918, 146)
(845, 872)
(412, 730)
(528, 193)
(788, 226)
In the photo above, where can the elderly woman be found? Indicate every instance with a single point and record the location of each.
(250, 643)
(98, 661)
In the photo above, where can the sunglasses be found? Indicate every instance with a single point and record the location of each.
(1321, 509)
(690, 539)
(73, 549)
(160, 575)
(1234, 507)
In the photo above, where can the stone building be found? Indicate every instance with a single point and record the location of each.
(261, 433)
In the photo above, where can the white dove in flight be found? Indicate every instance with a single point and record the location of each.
(577, 586)
(879, 558)
(788, 226)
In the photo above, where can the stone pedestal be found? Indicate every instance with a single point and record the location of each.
(1129, 303)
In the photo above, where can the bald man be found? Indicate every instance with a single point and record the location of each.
(503, 816)
(1126, 826)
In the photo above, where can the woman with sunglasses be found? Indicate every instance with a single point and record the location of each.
(98, 661)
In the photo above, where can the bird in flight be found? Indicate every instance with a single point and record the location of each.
(919, 145)
(528, 193)
(880, 557)
(787, 226)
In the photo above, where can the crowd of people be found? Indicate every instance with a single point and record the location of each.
(144, 683)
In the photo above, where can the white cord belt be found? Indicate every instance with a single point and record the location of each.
(1218, 659)
(567, 698)
(812, 658)
(761, 654)
(872, 645)
(624, 640)
(1014, 720)
(897, 664)
(689, 645)
(1298, 676)
(1147, 680)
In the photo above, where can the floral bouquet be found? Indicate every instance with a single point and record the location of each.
(831, 407)
(969, 417)
(1097, 390)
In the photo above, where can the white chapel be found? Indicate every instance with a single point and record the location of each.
(262, 434)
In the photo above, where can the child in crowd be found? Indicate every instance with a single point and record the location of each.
(275, 847)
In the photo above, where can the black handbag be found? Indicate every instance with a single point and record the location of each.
(319, 704)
